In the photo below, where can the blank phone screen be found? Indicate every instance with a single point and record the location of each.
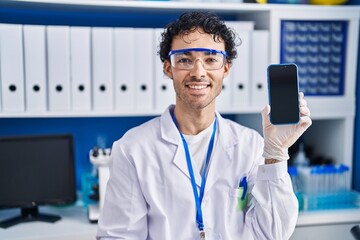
(283, 93)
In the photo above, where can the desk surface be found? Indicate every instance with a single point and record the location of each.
(74, 225)
(328, 217)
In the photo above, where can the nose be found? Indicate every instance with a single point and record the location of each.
(198, 70)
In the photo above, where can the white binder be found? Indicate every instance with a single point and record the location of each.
(80, 68)
(240, 70)
(224, 100)
(260, 60)
(58, 46)
(124, 69)
(35, 68)
(164, 89)
(12, 68)
(144, 69)
(103, 67)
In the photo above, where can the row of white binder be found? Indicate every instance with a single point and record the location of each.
(106, 69)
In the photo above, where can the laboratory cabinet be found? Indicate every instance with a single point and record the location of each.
(322, 40)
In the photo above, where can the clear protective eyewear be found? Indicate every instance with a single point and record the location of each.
(186, 58)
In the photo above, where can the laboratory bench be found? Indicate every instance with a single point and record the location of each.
(75, 225)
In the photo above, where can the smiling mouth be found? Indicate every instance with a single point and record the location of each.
(198, 87)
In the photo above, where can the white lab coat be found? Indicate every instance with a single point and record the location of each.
(149, 194)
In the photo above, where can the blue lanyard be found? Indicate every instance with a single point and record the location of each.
(198, 200)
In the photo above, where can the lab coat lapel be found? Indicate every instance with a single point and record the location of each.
(170, 133)
(181, 163)
(221, 160)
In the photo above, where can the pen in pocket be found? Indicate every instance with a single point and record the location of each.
(243, 183)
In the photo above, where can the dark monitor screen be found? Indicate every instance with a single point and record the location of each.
(36, 170)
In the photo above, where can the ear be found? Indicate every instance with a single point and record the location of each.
(227, 67)
(167, 69)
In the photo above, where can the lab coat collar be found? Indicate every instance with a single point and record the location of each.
(220, 159)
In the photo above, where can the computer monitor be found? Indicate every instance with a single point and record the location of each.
(34, 171)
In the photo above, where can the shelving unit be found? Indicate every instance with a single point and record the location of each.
(333, 116)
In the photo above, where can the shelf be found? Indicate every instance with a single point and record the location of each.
(136, 7)
(79, 114)
(330, 108)
(338, 216)
(337, 107)
(178, 5)
(100, 114)
(333, 114)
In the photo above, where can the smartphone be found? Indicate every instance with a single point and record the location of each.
(283, 87)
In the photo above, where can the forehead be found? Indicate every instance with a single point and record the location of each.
(197, 39)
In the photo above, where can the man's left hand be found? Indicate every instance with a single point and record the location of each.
(278, 138)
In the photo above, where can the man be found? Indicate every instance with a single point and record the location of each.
(191, 174)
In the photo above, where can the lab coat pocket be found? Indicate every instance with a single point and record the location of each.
(236, 205)
(240, 197)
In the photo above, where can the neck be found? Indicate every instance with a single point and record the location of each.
(192, 122)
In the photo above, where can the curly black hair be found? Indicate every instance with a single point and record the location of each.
(191, 21)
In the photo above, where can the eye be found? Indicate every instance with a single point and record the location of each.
(212, 60)
(184, 60)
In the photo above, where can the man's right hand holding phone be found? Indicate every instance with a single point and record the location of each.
(278, 138)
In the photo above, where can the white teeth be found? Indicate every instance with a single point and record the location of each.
(197, 87)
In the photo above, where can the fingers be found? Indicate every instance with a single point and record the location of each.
(305, 122)
(266, 110)
(302, 102)
(265, 115)
(301, 95)
(304, 111)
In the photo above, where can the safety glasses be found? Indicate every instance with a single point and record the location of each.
(185, 59)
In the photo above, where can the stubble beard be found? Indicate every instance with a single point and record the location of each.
(197, 104)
